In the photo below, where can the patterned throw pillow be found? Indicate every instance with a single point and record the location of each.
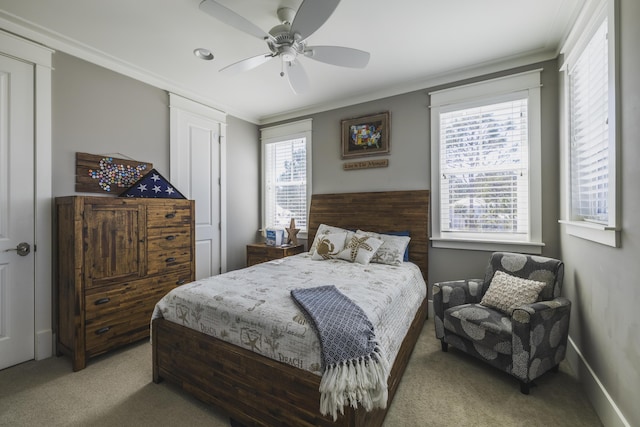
(329, 246)
(506, 292)
(393, 248)
(323, 230)
(360, 248)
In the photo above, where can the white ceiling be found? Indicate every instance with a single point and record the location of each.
(413, 43)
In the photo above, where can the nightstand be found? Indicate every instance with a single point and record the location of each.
(260, 252)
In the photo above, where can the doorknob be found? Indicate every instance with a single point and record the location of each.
(23, 249)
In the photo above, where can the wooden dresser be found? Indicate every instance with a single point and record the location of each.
(116, 258)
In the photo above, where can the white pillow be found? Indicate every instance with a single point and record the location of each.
(392, 250)
(329, 246)
(360, 248)
(506, 292)
(323, 230)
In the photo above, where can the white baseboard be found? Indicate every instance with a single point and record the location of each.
(602, 402)
(44, 344)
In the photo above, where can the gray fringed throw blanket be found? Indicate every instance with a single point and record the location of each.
(355, 366)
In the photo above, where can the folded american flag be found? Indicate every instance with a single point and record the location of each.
(153, 185)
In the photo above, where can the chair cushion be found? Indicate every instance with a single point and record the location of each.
(484, 326)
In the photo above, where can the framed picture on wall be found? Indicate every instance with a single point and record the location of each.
(365, 136)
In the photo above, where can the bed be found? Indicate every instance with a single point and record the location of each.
(256, 390)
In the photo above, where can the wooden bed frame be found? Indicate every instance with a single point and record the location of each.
(258, 391)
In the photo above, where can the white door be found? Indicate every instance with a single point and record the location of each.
(196, 172)
(17, 226)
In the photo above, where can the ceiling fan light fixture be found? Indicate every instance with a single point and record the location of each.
(287, 53)
(204, 54)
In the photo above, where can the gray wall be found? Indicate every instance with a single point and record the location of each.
(97, 111)
(602, 282)
(243, 189)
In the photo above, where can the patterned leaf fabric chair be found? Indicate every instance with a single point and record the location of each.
(516, 322)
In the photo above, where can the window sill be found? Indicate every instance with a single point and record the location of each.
(488, 245)
(598, 233)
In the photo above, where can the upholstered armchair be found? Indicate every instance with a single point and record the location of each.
(516, 322)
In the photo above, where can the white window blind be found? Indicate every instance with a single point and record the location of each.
(589, 130)
(485, 169)
(285, 174)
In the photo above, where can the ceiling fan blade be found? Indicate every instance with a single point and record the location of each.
(311, 15)
(230, 17)
(297, 77)
(336, 55)
(247, 64)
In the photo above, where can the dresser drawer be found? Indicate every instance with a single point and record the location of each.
(169, 238)
(169, 214)
(164, 261)
(121, 314)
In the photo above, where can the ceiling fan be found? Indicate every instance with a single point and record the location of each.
(288, 40)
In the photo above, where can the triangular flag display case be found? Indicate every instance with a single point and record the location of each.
(153, 185)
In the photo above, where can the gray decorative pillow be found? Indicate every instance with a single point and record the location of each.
(360, 248)
(329, 246)
(507, 292)
(323, 230)
(392, 250)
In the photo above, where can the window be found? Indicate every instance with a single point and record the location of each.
(485, 165)
(591, 139)
(286, 175)
(588, 126)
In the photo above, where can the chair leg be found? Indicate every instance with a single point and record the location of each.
(524, 387)
(445, 346)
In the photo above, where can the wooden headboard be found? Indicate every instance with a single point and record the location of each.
(380, 212)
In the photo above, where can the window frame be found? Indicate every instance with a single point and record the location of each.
(280, 133)
(589, 21)
(490, 91)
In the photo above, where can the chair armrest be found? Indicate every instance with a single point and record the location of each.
(540, 331)
(542, 312)
(451, 294)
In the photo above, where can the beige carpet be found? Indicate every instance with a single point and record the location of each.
(438, 389)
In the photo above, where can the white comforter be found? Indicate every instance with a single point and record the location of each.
(253, 308)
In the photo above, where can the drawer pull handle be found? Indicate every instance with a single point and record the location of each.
(170, 215)
(103, 330)
(102, 301)
(180, 282)
(170, 237)
(171, 259)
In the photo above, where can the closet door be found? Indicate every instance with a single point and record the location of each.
(17, 220)
(197, 170)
